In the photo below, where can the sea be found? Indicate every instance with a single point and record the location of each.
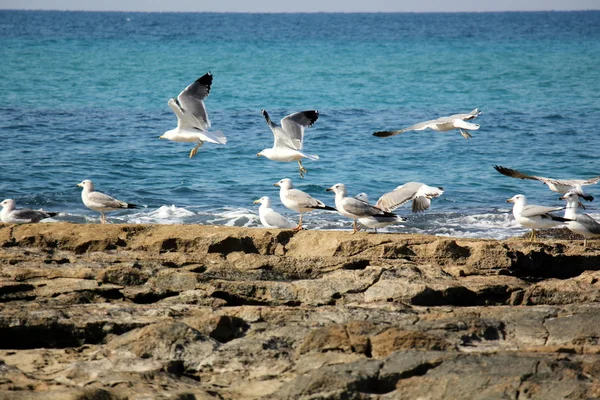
(83, 95)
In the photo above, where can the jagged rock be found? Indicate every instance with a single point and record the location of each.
(177, 312)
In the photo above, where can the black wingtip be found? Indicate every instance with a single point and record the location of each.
(129, 205)
(329, 208)
(205, 80)
(312, 115)
(383, 133)
(587, 197)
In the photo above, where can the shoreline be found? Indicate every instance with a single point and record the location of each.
(241, 313)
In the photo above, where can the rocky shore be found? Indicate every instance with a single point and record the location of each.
(203, 312)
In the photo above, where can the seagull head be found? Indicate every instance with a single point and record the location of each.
(9, 204)
(339, 189)
(263, 200)
(86, 184)
(517, 199)
(285, 183)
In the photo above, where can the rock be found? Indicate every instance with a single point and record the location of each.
(141, 311)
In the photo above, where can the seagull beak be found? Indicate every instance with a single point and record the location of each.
(161, 137)
(79, 184)
(258, 154)
(510, 200)
(329, 190)
(276, 184)
(562, 198)
(256, 201)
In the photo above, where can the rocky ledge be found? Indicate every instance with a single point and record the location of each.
(202, 312)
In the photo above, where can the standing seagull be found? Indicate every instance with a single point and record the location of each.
(377, 221)
(354, 208)
(582, 224)
(289, 138)
(11, 215)
(561, 186)
(534, 217)
(99, 201)
(418, 192)
(443, 124)
(192, 118)
(299, 201)
(271, 218)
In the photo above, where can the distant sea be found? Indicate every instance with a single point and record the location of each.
(84, 96)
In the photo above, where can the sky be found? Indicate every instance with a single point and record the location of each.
(303, 5)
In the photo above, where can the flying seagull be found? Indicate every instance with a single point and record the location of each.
(418, 192)
(99, 201)
(582, 224)
(192, 119)
(534, 217)
(271, 218)
(11, 215)
(561, 186)
(354, 208)
(299, 201)
(289, 138)
(443, 124)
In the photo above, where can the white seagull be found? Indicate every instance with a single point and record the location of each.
(354, 208)
(534, 217)
(289, 138)
(377, 221)
(561, 186)
(11, 215)
(443, 124)
(271, 218)
(299, 201)
(418, 192)
(99, 201)
(582, 224)
(192, 119)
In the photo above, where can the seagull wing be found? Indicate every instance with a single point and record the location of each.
(27, 215)
(103, 200)
(362, 209)
(191, 104)
(293, 126)
(533, 210)
(399, 196)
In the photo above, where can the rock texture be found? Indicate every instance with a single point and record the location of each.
(203, 312)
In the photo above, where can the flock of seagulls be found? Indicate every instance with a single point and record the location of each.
(193, 126)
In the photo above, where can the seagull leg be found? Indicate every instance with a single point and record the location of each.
(356, 229)
(585, 243)
(301, 169)
(532, 235)
(299, 227)
(102, 218)
(465, 134)
(195, 149)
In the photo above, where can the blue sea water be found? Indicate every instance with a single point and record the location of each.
(84, 96)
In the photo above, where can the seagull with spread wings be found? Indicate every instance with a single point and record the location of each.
(192, 119)
(561, 186)
(289, 138)
(443, 124)
(419, 193)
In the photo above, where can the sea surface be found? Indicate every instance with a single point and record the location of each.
(84, 96)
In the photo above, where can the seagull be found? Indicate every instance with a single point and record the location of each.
(561, 186)
(353, 208)
(418, 192)
(11, 215)
(299, 201)
(582, 224)
(192, 118)
(271, 218)
(99, 201)
(443, 124)
(376, 221)
(289, 138)
(534, 217)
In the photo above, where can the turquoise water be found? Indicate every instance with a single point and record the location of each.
(84, 96)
